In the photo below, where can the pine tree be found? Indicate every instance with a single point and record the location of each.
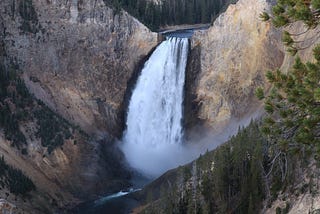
(286, 12)
(293, 107)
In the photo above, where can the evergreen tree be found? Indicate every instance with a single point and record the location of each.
(286, 12)
(293, 103)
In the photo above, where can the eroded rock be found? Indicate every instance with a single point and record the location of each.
(235, 54)
(81, 53)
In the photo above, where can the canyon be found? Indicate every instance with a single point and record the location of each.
(82, 59)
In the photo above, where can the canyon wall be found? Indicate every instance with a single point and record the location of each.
(77, 57)
(234, 55)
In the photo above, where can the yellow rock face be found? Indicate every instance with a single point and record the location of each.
(235, 54)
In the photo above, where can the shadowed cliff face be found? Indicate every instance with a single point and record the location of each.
(77, 57)
(235, 54)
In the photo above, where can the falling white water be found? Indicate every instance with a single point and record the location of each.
(152, 142)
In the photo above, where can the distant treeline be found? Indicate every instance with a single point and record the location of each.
(171, 12)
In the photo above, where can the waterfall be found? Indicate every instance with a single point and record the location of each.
(152, 142)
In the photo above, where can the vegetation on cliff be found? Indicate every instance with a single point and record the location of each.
(30, 23)
(168, 12)
(14, 179)
(20, 111)
(241, 176)
(230, 179)
(11, 94)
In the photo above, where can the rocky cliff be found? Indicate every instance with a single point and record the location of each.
(77, 57)
(232, 58)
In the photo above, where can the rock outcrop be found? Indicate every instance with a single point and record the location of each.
(234, 54)
(77, 57)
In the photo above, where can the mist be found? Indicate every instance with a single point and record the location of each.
(152, 160)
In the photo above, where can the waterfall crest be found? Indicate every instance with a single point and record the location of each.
(153, 138)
